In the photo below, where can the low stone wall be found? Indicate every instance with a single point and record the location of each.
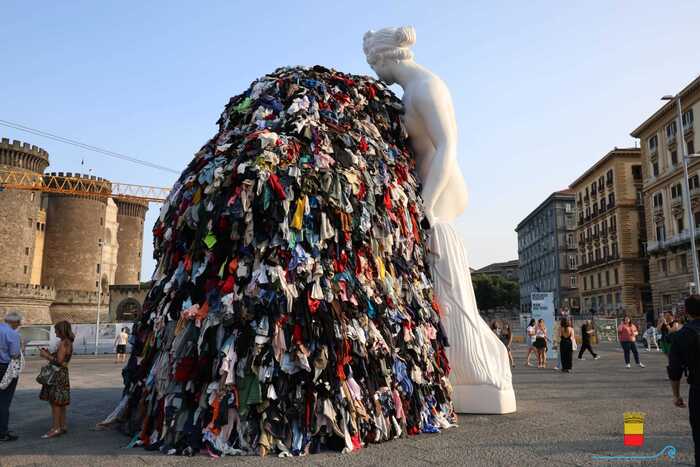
(32, 301)
(78, 306)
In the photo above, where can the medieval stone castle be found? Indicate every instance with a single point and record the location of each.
(59, 251)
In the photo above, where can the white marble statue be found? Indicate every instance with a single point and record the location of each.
(481, 377)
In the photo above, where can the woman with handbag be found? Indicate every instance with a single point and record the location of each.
(54, 378)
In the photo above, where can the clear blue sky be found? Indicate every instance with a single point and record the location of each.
(542, 88)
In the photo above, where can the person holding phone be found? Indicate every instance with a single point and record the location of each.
(57, 393)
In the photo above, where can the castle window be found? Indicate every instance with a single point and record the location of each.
(38, 226)
(26, 251)
(98, 269)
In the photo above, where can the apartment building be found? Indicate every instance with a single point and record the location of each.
(547, 252)
(611, 232)
(668, 246)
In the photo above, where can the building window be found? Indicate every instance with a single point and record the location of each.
(585, 282)
(655, 168)
(694, 181)
(680, 224)
(674, 157)
(26, 251)
(602, 205)
(658, 200)
(102, 221)
(572, 279)
(26, 269)
(618, 298)
(691, 147)
(663, 266)
(676, 191)
(683, 263)
(611, 199)
(660, 233)
(653, 143)
(600, 282)
(637, 172)
(671, 131)
(607, 278)
(687, 119)
(666, 298)
(98, 268)
(572, 262)
(617, 277)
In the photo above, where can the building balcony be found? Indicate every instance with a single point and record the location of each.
(675, 240)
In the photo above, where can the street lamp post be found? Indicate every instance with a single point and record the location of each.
(686, 188)
(99, 300)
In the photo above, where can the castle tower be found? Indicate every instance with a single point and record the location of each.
(131, 214)
(75, 226)
(19, 211)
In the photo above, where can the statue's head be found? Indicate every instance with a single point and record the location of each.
(387, 48)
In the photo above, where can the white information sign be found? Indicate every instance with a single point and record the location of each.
(543, 308)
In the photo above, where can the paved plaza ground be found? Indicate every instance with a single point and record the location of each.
(562, 419)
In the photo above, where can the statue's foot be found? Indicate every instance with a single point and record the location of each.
(482, 399)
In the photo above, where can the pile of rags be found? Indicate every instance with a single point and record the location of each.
(291, 309)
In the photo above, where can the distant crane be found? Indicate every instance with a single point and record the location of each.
(80, 185)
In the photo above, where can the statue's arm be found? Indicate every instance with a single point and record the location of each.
(434, 105)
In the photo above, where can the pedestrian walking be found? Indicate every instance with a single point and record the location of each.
(684, 358)
(530, 339)
(650, 337)
(10, 350)
(587, 331)
(506, 337)
(627, 335)
(56, 385)
(541, 340)
(120, 343)
(566, 345)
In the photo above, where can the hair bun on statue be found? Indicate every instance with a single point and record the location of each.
(405, 36)
(389, 44)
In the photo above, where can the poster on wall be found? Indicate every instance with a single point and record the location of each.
(543, 308)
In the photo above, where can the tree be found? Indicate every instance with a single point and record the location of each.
(495, 292)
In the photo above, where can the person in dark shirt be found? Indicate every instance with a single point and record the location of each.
(684, 358)
(587, 331)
